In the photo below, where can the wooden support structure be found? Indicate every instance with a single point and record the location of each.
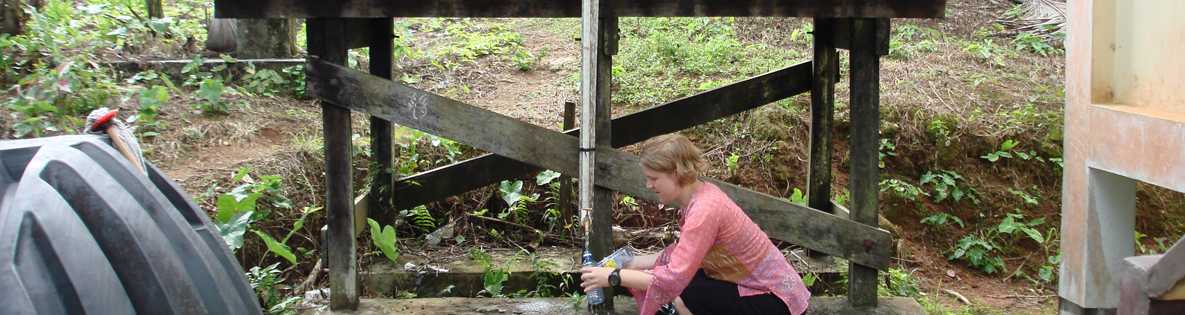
(325, 42)
(516, 147)
(864, 175)
(599, 44)
(572, 8)
(382, 168)
(825, 73)
(505, 136)
(457, 178)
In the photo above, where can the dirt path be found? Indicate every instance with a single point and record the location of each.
(536, 96)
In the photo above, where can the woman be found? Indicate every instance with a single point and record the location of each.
(722, 263)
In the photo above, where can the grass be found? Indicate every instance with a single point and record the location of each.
(687, 55)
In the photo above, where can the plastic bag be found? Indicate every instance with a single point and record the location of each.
(619, 258)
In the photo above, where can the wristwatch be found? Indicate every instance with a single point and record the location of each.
(615, 277)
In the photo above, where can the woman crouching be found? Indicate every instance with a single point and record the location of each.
(722, 263)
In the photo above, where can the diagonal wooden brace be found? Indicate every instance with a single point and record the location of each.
(506, 136)
(467, 175)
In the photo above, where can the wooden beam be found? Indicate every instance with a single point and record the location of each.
(571, 8)
(382, 187)
(864, 175)
(325, 42)
(441, 116)
(451, 180)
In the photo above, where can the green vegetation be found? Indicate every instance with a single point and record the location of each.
(661, 59)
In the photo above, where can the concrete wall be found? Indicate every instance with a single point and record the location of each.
(1125, 122)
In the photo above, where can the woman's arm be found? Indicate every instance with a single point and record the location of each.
(642, 262)
(598, 277)
(635, 279)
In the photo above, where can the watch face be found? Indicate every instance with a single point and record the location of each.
(615, 278)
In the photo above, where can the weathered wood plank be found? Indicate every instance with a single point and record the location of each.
(864, 175)
(571, 8)
(381, 32)
(325, 42)
(439, 183)
(826, 68)
(863, 244)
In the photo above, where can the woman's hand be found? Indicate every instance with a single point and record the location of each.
(594, 277)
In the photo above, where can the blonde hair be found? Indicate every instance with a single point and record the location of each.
(674, 154)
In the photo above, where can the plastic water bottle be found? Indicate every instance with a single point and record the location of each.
(596, 297)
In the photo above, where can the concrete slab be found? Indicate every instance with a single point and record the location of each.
(457, 275)
(553, 306)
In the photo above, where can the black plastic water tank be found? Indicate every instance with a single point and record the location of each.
(82, 232)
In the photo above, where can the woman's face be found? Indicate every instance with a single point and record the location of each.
(666, 185)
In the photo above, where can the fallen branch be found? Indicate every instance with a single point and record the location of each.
(1022, 296)
(538, 232)
(312, 279)
(958, 296)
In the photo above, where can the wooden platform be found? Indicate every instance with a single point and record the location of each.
(553, 306)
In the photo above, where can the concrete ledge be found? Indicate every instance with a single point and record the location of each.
(463, 277)
(554, 306)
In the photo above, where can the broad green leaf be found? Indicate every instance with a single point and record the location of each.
(230, 205)
(511, 191)
(280, 249)
(384, 239)
(798, 197)
(232, 231)
(1008, 145)
(1035, 235)
(545, 177)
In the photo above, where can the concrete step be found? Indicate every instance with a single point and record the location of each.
(455, 274)
(553, 306)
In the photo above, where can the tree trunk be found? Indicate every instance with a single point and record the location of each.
(155, 9)
(13, 17)
(253, 38)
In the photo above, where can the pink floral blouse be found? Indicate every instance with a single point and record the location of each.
(715, 235)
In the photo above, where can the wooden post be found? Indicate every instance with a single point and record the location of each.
(602, 241)
(382, 188)
(598, 44)
(325, 40)
(865, 140)
(565, 199)
(155, 9)
(826, 68)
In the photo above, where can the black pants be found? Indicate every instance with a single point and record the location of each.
(707, 296)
